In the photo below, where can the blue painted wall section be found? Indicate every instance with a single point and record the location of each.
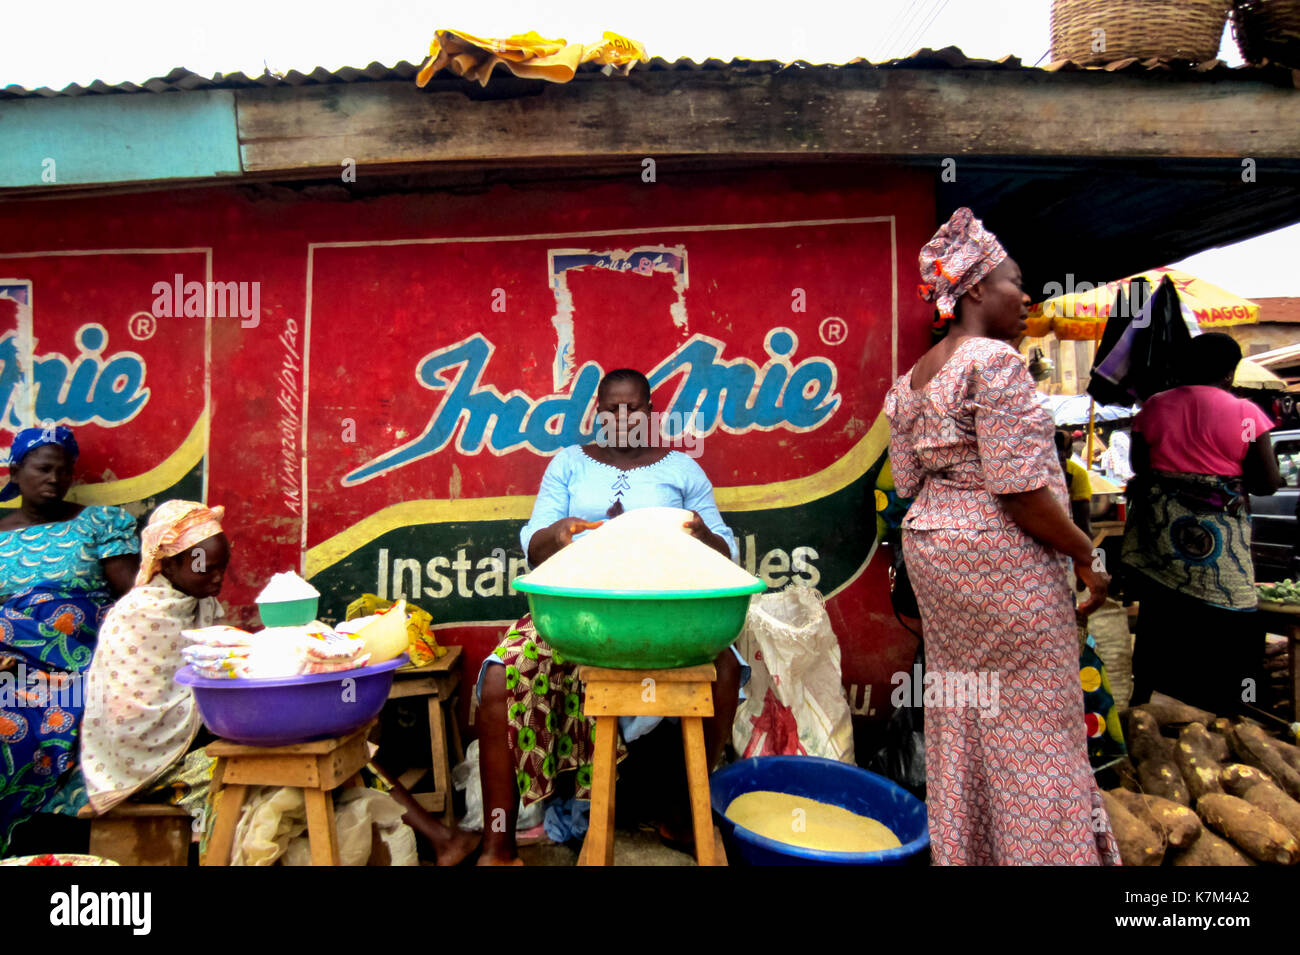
(118, 138)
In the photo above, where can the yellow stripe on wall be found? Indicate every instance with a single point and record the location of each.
(146, 485)
(755, 497)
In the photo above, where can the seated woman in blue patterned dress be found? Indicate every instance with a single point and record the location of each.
(531, 725)
(61, 567)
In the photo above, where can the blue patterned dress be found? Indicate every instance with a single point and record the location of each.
(53, 596)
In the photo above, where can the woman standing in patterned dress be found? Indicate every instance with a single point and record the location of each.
(988, 543)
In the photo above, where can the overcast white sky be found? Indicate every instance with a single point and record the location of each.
(77, 41)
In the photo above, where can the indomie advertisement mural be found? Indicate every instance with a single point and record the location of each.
(381, 396)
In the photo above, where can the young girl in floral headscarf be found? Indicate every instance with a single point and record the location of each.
(139, 723)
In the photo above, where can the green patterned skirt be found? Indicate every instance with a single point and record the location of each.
(547, 730)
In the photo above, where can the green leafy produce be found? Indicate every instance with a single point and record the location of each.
(1284, 591)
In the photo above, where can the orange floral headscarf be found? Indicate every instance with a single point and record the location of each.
(174, 527)
(961, 253)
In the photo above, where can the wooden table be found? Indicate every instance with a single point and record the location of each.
(1103, 529)
(439, 682)
(1285, 619)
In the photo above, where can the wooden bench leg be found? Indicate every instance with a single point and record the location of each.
(457, 744)
(598, 848)
(438, 745)
(228, 803)
(321, 831)
(697, 778)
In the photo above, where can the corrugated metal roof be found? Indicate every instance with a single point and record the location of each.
(182, 80)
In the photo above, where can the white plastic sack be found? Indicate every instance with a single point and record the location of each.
(271, 817)
(358, 812)
(465, 777)
(794, 701)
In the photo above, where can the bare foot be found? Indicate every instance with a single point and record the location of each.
(677, 836)
(486, 859)
(457, 847)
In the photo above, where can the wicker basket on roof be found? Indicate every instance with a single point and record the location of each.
(1268, 30)
(1095, 32)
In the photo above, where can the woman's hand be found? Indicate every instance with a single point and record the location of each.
(1097, 582)
(566, 528)
(556, 536)
(700, 531)
(7, 663)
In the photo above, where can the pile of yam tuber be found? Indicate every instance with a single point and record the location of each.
(1202, 790)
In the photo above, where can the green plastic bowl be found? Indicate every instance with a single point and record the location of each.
(289, 613)
(639, 630)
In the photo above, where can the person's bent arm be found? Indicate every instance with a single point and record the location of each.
(550, 539)
(1261, 461)
(700, 531)
(1041, 517)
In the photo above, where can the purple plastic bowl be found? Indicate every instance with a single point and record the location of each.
(292, 709)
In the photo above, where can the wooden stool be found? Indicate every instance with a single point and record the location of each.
(687, 693)
(438, 681)
(316, 768)
(140, 833)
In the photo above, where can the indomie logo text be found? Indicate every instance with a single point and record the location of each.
(93, 387)
(736, 395)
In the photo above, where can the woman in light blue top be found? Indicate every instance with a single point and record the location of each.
(531, 724)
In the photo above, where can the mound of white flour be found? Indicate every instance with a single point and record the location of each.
(645, 549)
(286, 586)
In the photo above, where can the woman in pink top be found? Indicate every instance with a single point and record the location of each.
(1195, 449)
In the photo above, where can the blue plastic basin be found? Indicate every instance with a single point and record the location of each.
(828, 781)
(292, 709)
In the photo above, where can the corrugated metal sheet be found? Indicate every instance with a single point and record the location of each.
(182, 80)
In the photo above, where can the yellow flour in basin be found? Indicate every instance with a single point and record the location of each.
(809, 824)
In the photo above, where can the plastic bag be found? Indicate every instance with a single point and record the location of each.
(272, 817)
(422, 648)
(465, 777)
(795, 697)
(902, 757)
(358, 813)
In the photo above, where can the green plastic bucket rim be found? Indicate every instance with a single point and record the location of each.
(551, 590)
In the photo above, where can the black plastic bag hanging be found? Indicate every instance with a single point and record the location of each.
(902, 756)
(1146, 352)
(1128, 304)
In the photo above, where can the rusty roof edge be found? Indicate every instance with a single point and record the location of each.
(181, 79)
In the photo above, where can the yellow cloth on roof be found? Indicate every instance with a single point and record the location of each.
(528, 55)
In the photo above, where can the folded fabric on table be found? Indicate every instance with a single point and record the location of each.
(200, 654)
(218, 636)
(224, 670)
(227, 653)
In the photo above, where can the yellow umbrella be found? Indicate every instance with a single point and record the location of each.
(1081, 315)
(1253, 375)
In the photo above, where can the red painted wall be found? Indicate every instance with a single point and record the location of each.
(361, 317)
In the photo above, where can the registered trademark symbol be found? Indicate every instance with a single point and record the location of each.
(833, 331)
(141, 326)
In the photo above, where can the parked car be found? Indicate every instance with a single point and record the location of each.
(1275, 520)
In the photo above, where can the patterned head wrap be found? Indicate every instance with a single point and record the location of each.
(175, 527)
(28, 439)
(961, 253)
